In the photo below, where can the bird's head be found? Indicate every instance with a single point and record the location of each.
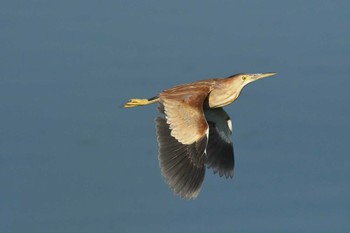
(238, 81)
(227, 90)
(243, 79)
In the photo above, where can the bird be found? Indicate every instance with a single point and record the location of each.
(193, 130)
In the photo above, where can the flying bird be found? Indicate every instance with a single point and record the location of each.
(194, 131)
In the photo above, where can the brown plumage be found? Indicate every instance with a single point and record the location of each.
(194, 131)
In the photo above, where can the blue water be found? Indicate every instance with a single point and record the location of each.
(72, 160)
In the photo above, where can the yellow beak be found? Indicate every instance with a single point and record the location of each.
(262, 75)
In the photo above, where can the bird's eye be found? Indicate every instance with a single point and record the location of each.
(244, 78)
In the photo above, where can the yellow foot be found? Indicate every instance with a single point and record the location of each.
(139, 102)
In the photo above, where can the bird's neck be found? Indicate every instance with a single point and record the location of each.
(224, 93)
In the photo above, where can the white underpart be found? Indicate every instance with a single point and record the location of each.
(229, 123)
(207, 134)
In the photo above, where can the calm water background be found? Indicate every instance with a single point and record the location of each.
(72, 160)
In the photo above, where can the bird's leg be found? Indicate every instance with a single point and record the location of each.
(140, 102)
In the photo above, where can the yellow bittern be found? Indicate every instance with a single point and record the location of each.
(194, 131)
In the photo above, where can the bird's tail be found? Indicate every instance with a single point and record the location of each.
(140, 102)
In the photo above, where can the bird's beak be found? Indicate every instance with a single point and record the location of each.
(261, 75)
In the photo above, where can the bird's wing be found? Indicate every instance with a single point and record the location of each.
(220, 155)
(182, 165)
(183, 109)
(182, 138)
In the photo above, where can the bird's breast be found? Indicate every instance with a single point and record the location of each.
(220, 99)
